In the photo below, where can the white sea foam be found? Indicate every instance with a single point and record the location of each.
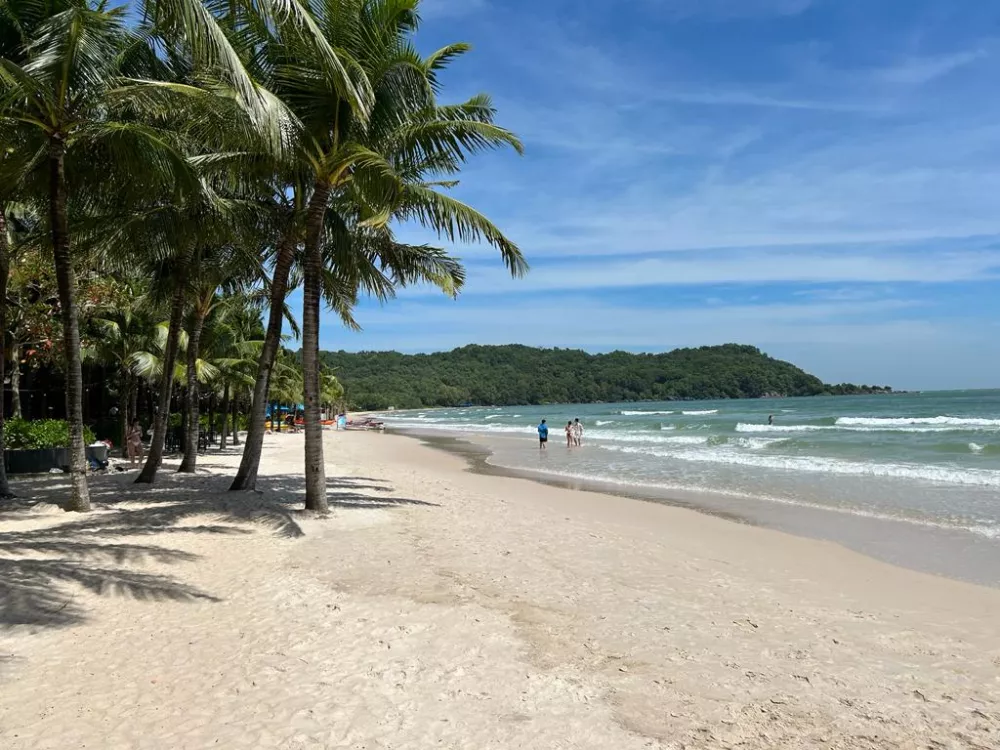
(667, 441)
(743, 427)
(976, 447)
(494, 416)
(756, 443)
(699, 413)
(765, 428)
(650, 438)
(817, 464)
(726, 454)
(627, 413)
(944, 421)
(601, 423)
(986, 530)
(990, 532)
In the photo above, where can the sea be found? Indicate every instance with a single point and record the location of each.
(912, 478)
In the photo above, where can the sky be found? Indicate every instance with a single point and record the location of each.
(818, 178)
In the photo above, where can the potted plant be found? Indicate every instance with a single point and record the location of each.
(36, 446)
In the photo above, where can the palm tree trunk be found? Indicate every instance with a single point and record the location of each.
(236, 422)
(190, 460)
(162, 417)
(123, 412)
(211, 418)
(66, 284)
(133, 397)
(223, 439)
(246, 477)
(311, 298)
(4, 278)
(15, 380)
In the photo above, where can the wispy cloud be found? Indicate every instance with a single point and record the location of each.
(921, 70)
(744, 268)
(730, 9)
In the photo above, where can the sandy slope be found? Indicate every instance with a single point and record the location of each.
(441, 609)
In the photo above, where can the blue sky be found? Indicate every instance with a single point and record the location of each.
(815, 177)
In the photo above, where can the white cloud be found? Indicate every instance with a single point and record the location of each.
(730, 9)
(739, 267)
(920, 70)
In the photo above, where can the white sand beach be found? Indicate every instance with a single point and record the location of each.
(437, 608)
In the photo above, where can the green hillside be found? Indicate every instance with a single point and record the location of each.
(508, 375)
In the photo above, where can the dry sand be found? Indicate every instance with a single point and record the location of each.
(443, 609)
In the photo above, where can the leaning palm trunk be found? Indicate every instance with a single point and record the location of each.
(246, 477)
(66, 283)
(312, 290)
(190, 460)
(4, 274)
(162, 416)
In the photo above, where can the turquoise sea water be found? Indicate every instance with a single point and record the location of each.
(927, 459)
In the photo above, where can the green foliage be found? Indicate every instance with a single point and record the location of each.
(508, 375)
(24, 434)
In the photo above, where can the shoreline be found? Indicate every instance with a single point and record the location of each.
(924, 548)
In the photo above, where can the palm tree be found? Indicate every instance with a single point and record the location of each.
(125, 336)
(57, 92)
(372, 168)
(332, 390)
(223, 267)
(5, 244)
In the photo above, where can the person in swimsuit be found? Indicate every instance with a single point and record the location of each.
(543, 435)
(133, 443)
(577, 433)
(569, 435)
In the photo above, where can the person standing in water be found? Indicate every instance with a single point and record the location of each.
(543, 435)
(578, 433)
(569, 435)
(770, 419)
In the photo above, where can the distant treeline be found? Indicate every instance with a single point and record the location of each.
(511, 375)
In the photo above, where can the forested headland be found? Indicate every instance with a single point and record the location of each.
(512, 374)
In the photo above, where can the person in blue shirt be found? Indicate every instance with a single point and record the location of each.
(543, 435)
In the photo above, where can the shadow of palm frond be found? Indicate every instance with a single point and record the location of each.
(37, 592)
(170, 504)
(341, 492)
(40, 566)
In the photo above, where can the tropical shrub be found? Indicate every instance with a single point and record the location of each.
(28, 434)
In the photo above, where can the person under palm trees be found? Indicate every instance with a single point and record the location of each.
(134, 444)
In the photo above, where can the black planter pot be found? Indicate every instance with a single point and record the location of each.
(37, 461)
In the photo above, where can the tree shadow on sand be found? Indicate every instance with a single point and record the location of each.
(41, 568)
(341, 492)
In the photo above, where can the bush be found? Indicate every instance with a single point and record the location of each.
(24, 434)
